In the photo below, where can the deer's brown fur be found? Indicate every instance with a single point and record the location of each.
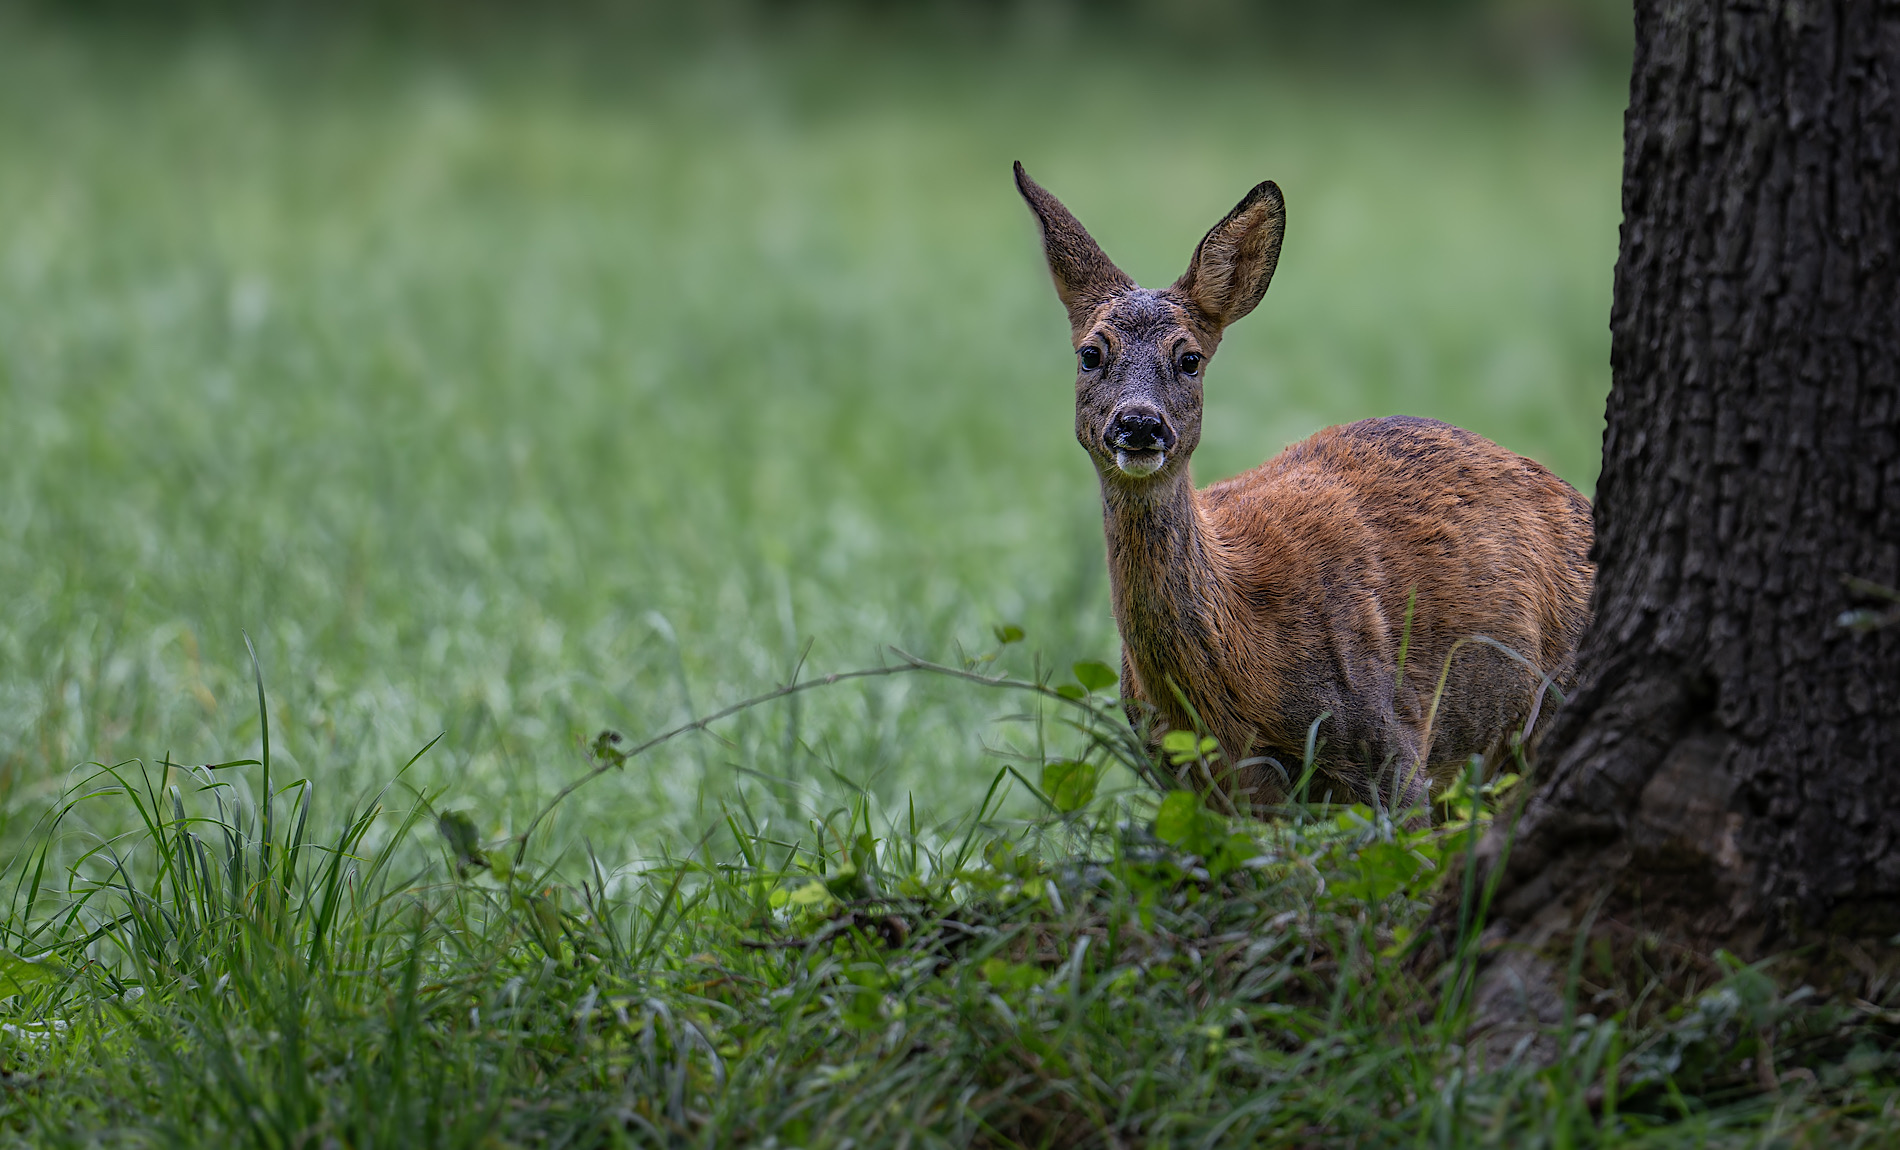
(1253, 607)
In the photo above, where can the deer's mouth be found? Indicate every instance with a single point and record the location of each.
(1139, 463)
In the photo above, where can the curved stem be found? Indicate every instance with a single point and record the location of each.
(610, 758)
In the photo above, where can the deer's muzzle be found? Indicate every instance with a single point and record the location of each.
(1140, 439)
(1140, 428)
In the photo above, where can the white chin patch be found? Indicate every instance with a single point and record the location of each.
(1140, 463)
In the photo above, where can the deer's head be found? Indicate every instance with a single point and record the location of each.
(1140, 354)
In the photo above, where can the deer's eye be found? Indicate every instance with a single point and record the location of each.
(1190, 363)
(1091, 357)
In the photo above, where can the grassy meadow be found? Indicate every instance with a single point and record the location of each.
(515, 398)
(508, 392)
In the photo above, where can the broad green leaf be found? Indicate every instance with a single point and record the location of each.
(547, 916)
(1006, 975)
(1070, 785)
(1178, 742)
(846, 881)
(1184, 747)
(1006, 859)
(459, 830)
(812, 893)
(1185, 822)
(863, 1009)
(1007, 633)
(1382, 870)
(18, 975)
(1178, 821)
(1356, 817)
(1071, 691)
(1095, 676)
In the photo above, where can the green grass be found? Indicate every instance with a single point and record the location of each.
(1115, 969)
(513, 392)
(515, 397)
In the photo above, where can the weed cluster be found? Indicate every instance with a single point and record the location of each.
(1127, 967)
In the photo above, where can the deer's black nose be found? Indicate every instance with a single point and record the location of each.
(1140, 428)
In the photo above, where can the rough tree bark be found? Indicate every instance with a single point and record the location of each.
(1725, 768)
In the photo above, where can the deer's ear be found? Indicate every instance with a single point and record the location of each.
(1232, 267)
(1084, 275)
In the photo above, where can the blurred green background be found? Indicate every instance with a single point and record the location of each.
(520, 374)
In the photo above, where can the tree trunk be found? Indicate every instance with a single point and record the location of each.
(1724, 772)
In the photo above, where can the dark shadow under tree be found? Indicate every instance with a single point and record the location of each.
(1724, 773)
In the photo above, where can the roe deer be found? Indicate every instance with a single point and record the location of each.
(1253, 607)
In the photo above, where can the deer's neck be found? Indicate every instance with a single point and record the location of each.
(1170, 580)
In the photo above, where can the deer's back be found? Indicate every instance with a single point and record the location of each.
(1330, 539)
